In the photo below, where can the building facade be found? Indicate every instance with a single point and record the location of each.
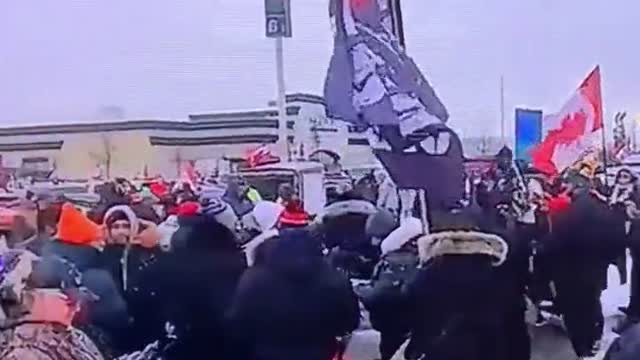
(160, 147)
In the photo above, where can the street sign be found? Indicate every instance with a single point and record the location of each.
(278, 18)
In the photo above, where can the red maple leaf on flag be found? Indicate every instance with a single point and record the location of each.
(578, 120)
(572, 128)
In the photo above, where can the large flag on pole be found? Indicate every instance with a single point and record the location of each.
(372, 83)
(574, 132)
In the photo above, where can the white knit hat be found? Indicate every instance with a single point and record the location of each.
(410, 228)
(266, 214)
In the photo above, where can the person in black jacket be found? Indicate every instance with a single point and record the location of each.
(579, 253)
(127, 259)
(458, 296)
(196, 284)
(292, 305)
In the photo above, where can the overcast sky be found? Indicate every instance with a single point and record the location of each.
(81, 60)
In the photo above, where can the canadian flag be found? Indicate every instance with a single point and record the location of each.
(261, 156)
(574, 131)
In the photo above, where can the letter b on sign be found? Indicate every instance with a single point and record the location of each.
(278, 18)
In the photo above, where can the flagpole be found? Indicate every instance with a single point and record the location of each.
(396, 19)
(605, 159)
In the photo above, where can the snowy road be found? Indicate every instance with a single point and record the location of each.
(548, 342)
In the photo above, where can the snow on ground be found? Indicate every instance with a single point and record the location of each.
(615, 296)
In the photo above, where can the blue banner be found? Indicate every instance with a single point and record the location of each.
(528, 132)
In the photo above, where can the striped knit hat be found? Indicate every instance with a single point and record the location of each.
(212, 206)
(220, 211)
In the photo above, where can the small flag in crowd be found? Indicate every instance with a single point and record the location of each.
(574, 131)
(189, 174)
(261, 156)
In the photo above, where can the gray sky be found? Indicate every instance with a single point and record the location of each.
(79, 60)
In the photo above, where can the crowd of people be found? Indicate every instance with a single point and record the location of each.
(174, 272)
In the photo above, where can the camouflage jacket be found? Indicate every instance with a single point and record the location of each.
(46, 341)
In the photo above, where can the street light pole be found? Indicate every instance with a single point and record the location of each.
(278, 26)
(283, 133)
(502, 114)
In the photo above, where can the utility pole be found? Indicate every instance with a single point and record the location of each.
(503, 139)
(634, 129)
(278, 26)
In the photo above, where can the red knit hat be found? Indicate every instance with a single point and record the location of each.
(188, 208)
(159, 189)
(294, 214)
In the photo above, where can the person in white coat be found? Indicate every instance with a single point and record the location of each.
(387, 192)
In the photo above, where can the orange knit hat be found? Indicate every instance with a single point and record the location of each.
(75, 228)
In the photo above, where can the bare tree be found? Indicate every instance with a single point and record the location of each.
(104, 157)
(485, 145)
(179, 160)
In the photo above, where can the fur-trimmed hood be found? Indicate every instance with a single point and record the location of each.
(463, 243)
(128, 212)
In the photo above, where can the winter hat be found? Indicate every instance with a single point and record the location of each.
(159, 189)
(409, 229)
(220, 211)
(75, 228)
(266, 214)
(122, 212)
(294, 215)
(629, 171)
(340, 208)
(188, 208)
(381, 224)
(212, 206)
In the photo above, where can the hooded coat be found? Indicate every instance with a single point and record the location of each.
(456, 300)
(195, 285)
(344, 224)
(386, 300)
(291, 304)
(581, 246)
(127, 264)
